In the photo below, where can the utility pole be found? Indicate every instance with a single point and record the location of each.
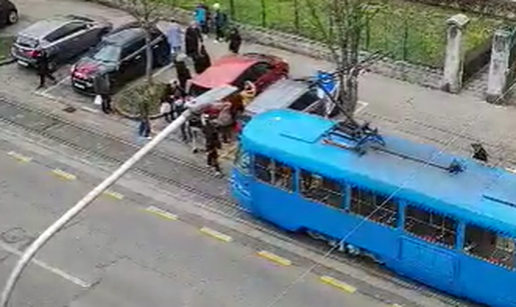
(197, 106)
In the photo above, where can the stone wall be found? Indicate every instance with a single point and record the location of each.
(427, 77)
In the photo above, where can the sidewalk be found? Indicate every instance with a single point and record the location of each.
(427, 116)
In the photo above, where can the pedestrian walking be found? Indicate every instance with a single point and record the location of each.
(102, 88)
(201, 16)
(166, 103)
(43, 69)
(194, 130)
(213, 146)
(177, 109)
(235, 40)
(225, 122)
(202, 61)
(175, 37)
(193, 40)
(144, 129)
(220, 20)
(182, 72)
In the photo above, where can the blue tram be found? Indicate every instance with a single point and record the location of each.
(446, 221)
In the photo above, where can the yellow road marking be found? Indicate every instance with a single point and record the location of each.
(161, 213)
(114, 195)
(217, 235)
(274, 258)
(63, 175)
(338, 284)
(396, 305)
(19, 157)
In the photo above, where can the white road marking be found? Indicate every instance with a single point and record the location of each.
(163, 69)
(47, 95)
(361, 106)
(88, 109)
(55, 85)
(79, 282)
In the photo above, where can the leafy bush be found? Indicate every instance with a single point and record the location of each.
(128, 100)
(5, 47)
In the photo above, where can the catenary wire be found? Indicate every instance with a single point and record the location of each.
(461, 133)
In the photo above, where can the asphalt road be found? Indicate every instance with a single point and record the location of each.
(118, 254)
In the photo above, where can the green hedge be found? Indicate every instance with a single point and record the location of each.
(5, 47)
(406, 31)
(127, 102)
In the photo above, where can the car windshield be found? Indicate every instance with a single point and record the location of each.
(196, 90)
(108, 53)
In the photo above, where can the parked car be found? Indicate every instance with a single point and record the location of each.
(8, 13)
(261, 69)
(62, 37)
(121, 55)
(285, 94)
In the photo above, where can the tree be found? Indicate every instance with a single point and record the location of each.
(341, 25)
(147, 14)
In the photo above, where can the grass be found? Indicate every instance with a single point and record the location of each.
(405, 30)
(128, 100)
(5, 47)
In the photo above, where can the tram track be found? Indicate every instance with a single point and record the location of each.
(192, 178)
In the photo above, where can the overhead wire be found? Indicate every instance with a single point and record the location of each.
(365, 219)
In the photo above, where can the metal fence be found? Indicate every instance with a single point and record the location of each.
(400, 32)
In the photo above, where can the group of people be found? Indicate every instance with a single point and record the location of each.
(216, 126)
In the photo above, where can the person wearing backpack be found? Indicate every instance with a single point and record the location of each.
(225, 122)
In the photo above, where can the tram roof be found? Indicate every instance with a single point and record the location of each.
(482, 194)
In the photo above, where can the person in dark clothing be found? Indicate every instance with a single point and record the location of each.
(103, 89)
(166, 103)
(220, 20)
(202, 61)
(183, 73)
(144, 129)
(42, 66)
(235, 40)
(479, 152)
(193, 40)
(177, 90)
(212, 146)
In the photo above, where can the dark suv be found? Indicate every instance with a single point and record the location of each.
(8, 13)
(121, 55)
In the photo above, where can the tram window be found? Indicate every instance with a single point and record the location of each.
(263, 168)
(321, 189)
(430, 226)
(374, 207)
(490, 246)
(242, 161)
(283, 176)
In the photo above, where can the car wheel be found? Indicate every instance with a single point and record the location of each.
(12, 17)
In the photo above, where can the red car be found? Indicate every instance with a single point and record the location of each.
(261, 69)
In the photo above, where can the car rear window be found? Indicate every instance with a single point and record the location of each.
(25, 41)
(108, 53)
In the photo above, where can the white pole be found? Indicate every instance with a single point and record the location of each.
(82, 204)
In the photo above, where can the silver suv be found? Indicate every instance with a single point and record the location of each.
(62, 37)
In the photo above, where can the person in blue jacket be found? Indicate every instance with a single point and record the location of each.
(201, 17)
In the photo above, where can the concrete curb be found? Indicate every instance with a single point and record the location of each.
(7, 61)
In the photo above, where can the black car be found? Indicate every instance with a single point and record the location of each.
(121, 55)
(61, 37)
(8, 13)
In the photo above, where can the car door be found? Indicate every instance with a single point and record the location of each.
(80, 37)
(61, 45)
(132, 64)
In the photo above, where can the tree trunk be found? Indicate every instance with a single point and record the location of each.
(148, 53)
